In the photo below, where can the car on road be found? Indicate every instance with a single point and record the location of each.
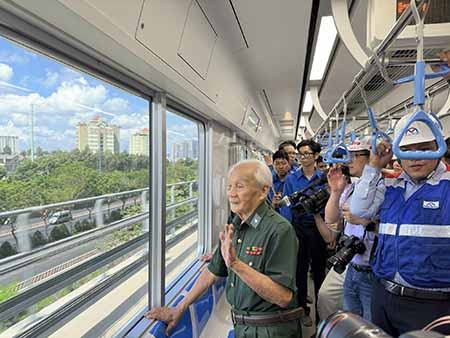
(60, 217)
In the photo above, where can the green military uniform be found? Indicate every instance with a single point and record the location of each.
(267, 243)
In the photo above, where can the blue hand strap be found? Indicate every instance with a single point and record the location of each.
(322, 139)
(419, 78)
(340, 145)
(353, 136)
(329, 149)
(421, 116)
(376, 133)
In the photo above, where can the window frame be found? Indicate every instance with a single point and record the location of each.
(83, 58)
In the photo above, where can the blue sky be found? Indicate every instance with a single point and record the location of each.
(62, 97)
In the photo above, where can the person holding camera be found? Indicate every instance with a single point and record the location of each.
(357, 240)
(412, 258)
(312, 246)
(281, 169)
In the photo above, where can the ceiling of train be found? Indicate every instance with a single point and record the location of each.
(270, 45)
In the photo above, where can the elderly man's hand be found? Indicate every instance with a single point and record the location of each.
(170, 316)
(226, 245)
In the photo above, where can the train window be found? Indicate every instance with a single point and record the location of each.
(182, 210)
(74, 173)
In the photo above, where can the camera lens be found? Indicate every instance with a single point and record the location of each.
(346, 324)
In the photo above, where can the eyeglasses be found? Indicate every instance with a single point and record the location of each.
(305, 155)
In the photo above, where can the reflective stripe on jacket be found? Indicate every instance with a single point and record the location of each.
(414, 235)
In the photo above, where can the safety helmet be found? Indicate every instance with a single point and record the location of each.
(359, 144)
(418, 132)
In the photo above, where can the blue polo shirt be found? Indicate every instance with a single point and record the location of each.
(294, 182)
(277, 185)
(294, 168)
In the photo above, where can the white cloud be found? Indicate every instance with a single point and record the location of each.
(10, 129)
(69, 96)
(9, 57)
(51, 79)
(131, 121)
(69, 99)
(117, 105)
(20, 119)
(6, 72)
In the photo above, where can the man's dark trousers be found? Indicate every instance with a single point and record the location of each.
(397, 315)
(312, 249)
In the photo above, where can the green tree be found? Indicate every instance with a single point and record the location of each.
(6, 250)
(7, 150)
(59, 232)
(38, 239)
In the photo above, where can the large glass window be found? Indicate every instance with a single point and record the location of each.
(182, 210)
(74, 173)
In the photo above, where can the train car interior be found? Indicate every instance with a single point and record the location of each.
(120, 120)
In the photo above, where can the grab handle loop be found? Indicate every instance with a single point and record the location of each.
(322, 141)
(420, 116)
(376, 133)
(340, 148)
(328, 154)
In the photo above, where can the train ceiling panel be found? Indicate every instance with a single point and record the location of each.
(113, 10)
(274, 60)
(197, 40)
(225, 22)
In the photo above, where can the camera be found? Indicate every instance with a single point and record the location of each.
(311, 199)
(348, 247)
(348, 325)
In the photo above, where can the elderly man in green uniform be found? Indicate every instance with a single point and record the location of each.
(258, 254)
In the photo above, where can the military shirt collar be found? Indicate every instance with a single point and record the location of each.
(255, 219)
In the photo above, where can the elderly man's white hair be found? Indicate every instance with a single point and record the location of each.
(262, 174)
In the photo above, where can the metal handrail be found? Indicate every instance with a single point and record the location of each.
(10, 213)
(42, 290)
(365, 74)
(433, 89)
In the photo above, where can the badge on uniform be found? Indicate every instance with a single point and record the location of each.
(254, 250)
(255, 221)
(430, 205)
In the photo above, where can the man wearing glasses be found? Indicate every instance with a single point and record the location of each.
(312, 245)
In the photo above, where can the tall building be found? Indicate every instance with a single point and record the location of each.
(194, 149)
(9, 144)
(185, 149)
(98, 136)
(139, 142)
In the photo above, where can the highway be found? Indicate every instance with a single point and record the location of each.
(37, 223)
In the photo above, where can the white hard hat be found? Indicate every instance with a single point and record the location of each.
(360, 144)
(418, 132)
